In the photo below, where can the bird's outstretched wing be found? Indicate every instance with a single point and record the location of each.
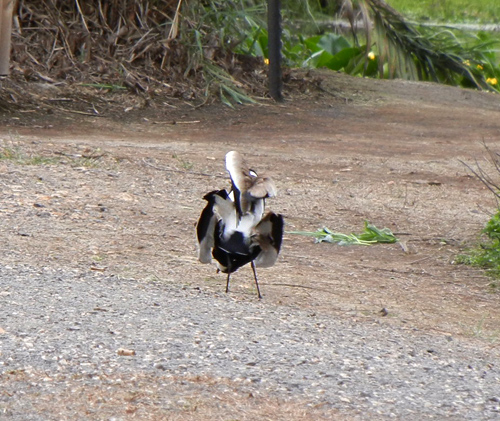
(205, 228)
(269, 236)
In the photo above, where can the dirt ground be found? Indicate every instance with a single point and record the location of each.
(110, 183)
(121, 192)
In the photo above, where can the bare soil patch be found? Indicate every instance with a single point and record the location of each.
(120, 192)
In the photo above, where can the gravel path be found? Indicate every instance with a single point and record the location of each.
(65, 323)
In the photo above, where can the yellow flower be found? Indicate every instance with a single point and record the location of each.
(371, 55)
(466, 62)
(266, 61)
(479, 67)
(492, 80)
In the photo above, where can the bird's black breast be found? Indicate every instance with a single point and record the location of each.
(233, 252)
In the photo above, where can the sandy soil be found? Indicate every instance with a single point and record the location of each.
(120, 192)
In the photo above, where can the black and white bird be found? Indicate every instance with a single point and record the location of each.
(232, 227)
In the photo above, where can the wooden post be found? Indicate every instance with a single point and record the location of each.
(274, 47)
(6, 9)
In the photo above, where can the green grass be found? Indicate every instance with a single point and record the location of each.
(86, 162)
(184, 163)
(484, 11)
(19, 157)
(481, 331)
(486, 254)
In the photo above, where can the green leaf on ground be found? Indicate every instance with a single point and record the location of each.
(370, 235)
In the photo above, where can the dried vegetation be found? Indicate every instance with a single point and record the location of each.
(117, 46)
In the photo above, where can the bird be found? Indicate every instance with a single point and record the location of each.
(232, 228)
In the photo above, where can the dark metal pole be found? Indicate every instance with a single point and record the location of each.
(274, 47)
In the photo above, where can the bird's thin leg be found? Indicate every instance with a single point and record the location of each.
(227, 283)
(256, 282)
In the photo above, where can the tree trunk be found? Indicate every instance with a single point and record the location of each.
(6, 9)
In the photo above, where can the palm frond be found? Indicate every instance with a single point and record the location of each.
(411, 52)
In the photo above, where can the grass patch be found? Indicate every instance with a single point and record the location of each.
(17, 156)
(187, 165)
(481, 331)
(483, 11)
(85, 162)
(24, 156)
(487, 254)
